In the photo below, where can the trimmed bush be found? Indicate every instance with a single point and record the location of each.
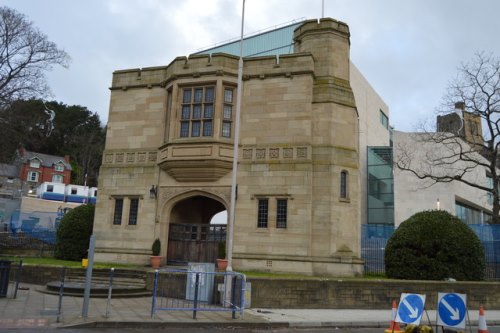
(73, 234)
(434, 245)
(156, 247)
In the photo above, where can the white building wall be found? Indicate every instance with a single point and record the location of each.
(371, 130)
(413, 195)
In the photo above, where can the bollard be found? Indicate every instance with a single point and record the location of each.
(110, 289)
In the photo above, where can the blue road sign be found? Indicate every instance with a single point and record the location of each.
(410, 309)
(451, 310)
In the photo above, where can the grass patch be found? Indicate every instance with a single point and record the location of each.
(375, 276)
(66, 263)
(369, 276)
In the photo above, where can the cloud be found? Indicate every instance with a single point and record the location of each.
(408, 50)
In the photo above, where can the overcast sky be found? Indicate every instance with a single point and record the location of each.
(407, 49)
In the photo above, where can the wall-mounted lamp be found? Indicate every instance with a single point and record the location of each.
(152, 192)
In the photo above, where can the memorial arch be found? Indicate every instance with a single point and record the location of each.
(185, 226)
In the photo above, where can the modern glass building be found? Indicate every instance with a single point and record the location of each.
(380, 186)
(277, 41)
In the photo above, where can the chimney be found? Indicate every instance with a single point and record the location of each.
(460, 106)
(66, 158)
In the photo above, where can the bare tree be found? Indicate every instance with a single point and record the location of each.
(470, 143)
(25, 55)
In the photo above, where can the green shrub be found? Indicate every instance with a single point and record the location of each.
(221, 250)
(156, 247)
(73, 235)
(434, 245)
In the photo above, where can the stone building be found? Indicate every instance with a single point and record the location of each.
(167, 162)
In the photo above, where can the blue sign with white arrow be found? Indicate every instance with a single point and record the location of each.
(410, 309)
(451, 310)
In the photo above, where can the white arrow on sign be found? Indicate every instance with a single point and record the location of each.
(414, 311)
(455, 314)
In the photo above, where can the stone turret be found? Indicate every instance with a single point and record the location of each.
(328, 41)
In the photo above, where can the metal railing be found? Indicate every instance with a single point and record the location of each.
(374, 239)
(191, 290)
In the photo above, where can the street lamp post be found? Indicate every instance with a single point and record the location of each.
(239, 95)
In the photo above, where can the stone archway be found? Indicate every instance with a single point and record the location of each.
(191, 236)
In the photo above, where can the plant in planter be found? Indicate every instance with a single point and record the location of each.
(155, 249)
(221, 256)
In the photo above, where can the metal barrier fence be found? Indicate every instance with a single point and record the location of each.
(191, 290)
(374, 239)
(10, 276)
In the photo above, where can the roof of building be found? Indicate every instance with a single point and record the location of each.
(45, 159)
(278, 40)
(8, 170)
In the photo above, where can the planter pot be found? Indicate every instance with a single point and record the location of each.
(155, 261)
(221, 264)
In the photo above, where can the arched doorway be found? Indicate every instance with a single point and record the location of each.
(191, 236)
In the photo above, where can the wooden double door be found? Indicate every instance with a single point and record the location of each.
(194, 242)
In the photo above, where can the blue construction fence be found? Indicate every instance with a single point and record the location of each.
(41, 226)
(374, 239)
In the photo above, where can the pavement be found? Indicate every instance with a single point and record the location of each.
(34, 309)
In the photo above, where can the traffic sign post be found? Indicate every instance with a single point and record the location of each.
(451, 310)
(410, 309)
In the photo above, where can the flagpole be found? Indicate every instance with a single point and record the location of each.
(239, 97)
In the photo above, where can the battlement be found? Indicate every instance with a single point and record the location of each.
(218, 64)
(321, 26)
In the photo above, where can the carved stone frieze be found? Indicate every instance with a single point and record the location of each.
(119, 157)
(247, 154)
(141, 157)
(152, 156)
(260, 153)
(273, 153)
(302, 152)
(108, 158)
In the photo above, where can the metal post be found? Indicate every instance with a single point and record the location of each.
(88, 278)
(195, 305)
(233, 297)
(61, 292)
(110, 290)
(18, 277)
(155, 288)
(235, 150)
(243, 295)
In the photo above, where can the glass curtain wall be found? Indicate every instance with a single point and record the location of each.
(380, 186)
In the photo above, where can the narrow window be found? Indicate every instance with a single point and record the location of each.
(117, 217)
(343, 185)
(384, 120)
(262, 214)
(281, 212)
(134, 207)
(50, 188)
(227, 113)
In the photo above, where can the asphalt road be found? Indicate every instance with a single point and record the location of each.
(493, 329)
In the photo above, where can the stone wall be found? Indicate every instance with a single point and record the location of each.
(364, 294)
(311, 293)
